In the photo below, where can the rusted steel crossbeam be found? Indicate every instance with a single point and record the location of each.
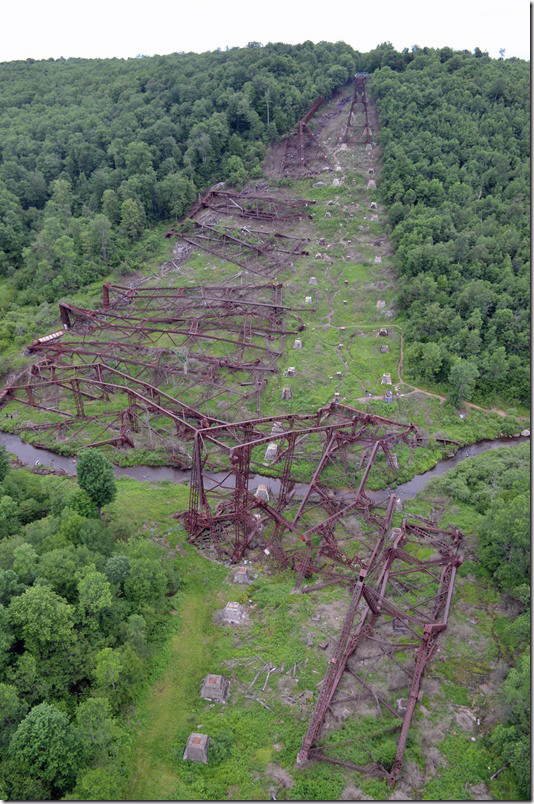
(130, 327)
(375, 599)
(303, 154)
(255, 207)
(329, 439)
(359, 103)
(262, 253)
(267, 297)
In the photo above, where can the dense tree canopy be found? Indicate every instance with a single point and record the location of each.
(95, 477)
(94, 151)
(497, 485)
(79, 613)
(456, 137)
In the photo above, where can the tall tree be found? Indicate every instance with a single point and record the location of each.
(95, 476)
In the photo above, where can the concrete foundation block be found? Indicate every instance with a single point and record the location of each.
(215, 688)
(196, 749)
(242, 575)
(271, 452)
(234, 614)
(262, 492)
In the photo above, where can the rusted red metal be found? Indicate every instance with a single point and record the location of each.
(385, 595)
(251, 207)
(333, 439)
(260, 252)
(356, 127)
(303, 153)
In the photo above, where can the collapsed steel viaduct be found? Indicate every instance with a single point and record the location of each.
(121, 372)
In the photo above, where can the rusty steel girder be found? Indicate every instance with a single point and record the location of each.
(201, 379)
(267, 297)
(303, 153)
(341, 445)
(251, 207)
(260, 252)
(252, 333)
(399, 605)
(213, 346)
(360, 103)
(71, 397)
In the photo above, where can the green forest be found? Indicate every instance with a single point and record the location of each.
(85, 600)
(96, 154)
(82, 604)
(98, 158)
(456, 138)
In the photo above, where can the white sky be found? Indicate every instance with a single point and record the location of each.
(42, 29)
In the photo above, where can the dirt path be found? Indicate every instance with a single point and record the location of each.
(169, 701)
(415, 389)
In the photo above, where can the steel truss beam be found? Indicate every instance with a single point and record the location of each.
(219, 343)
(255, 207)
(360, 103)
(394, 592)
(303, 154)
(135, 406)
(341, 443)
(264, 297)
(251, 334)
(197, 377)
(262, 253)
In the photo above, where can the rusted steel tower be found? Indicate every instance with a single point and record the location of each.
(303, 153)
(399, 605)
(360, 128)
(338, 443)
(251, 207)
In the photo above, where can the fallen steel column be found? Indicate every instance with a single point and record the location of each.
(425, 619)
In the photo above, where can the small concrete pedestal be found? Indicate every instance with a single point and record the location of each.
(233, 614)
(242, 575)
(196, 749)
(215, 688)
(262, 492)
(271, 452)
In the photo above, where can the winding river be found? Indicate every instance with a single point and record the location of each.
(35, 456)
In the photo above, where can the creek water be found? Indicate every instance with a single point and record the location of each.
(36, 456)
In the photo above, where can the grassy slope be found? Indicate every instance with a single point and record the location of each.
(346, 271)
(171, 707)
(443, 761)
